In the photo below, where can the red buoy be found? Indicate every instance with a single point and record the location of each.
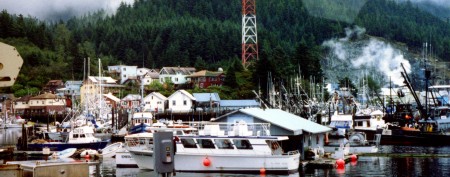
(340, 163)
(354, 157)
(262, 171)
(206, 162)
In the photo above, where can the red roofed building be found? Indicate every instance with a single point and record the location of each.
(204, 78)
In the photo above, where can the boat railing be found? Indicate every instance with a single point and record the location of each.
(234, 129)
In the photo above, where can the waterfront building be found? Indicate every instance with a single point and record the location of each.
(207, 102)
(303, 134)
(155, 102)
(180, 101)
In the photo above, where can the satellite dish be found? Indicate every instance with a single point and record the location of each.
(10, 65)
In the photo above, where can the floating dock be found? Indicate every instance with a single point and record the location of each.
(323, 162)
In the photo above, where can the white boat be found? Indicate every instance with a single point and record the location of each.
(89, 152)
(110, 150)
(356, 144)
(236, 148)
(65, 153)
(124, 159)
(140, 147)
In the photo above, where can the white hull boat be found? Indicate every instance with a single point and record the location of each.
(215, 150)
(125, 160)
(110, 150)
(65, 153)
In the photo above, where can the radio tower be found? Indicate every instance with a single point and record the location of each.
(249, 33)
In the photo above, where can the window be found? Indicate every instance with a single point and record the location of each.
(205, 143)
(242, 144)
(173, 102)
(184, 102)
(75, 135)
(223, 143)
(188, 143)
(176, 79)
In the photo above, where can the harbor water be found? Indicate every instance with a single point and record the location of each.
(381, 165)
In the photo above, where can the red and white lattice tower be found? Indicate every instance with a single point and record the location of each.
(249, 33)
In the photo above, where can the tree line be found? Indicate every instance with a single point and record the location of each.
(206, 35)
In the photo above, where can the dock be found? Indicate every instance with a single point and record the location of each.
(324, 163)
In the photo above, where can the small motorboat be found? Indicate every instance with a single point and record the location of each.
(110, 150)
(65, 153)
(88, 152)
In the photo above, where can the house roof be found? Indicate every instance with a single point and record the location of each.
(184, 92)
(205, 73)
(112, 97)
(44, 96)
(206, 97)
(131, 97)
(285, 120)
(24, 98)
(175, 70)
(238, 103)
(153, 75)
(108, 80)
(158, 95)
(74, 82)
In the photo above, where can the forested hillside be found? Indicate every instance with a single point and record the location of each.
(205, 34)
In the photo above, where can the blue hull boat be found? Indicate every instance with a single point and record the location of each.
(59, 146)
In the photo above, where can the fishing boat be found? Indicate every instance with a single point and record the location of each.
(228, 148)
(80, 137)
(110, 150)
(355, 144)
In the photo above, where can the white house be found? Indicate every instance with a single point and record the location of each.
(176, 75)
(148, 77)
(180, 101)
(155, 102)
(124, 73)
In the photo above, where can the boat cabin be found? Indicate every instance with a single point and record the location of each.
(82, 134)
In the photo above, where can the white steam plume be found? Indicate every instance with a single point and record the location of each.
(59, 9)
(372, 54)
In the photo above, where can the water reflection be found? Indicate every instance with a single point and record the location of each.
(8, 137)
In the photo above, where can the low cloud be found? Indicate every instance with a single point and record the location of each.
(59, 9)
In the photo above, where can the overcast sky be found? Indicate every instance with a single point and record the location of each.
(55, 9)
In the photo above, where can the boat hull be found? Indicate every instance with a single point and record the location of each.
(144, 159)
(58, 146)
(415, 138)
(125, 160)
(226, 163)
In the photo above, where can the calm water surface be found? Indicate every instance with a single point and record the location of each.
(365, 166)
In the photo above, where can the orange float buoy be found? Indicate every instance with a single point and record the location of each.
(262, 171)
(340, 163)
(206, 162)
